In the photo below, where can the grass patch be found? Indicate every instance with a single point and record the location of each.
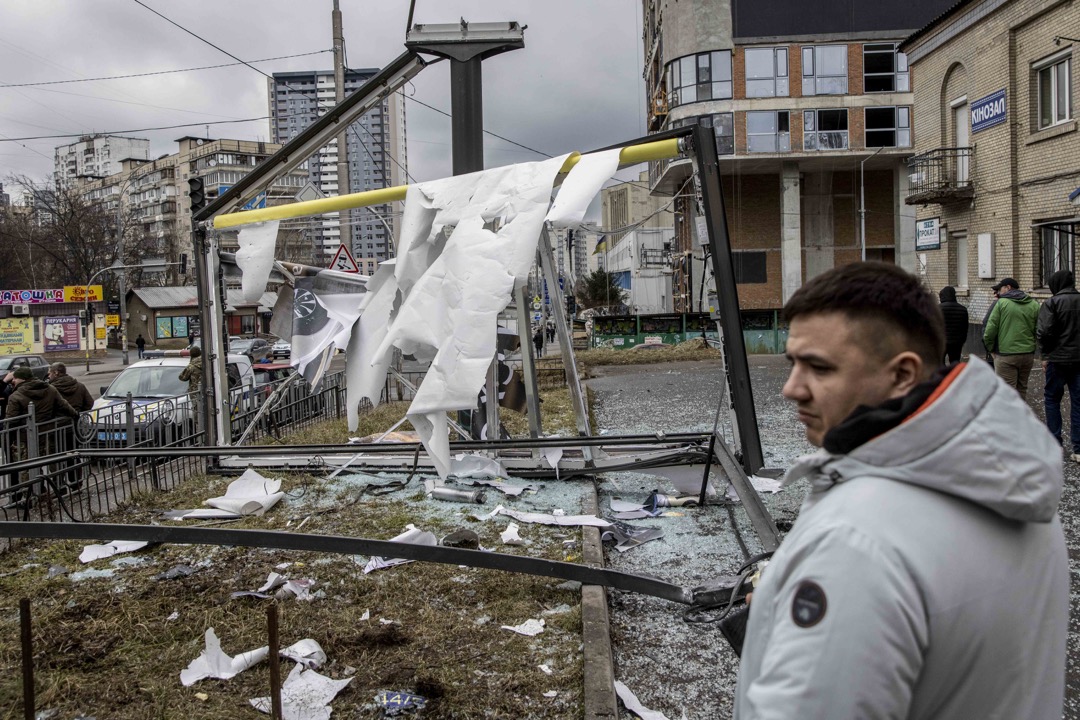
(693, 349)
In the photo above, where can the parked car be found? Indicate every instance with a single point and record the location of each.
(281, 349)
(162, 411)
(37, 364)
(256, 349)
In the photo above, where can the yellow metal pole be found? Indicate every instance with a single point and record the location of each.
(659, 150)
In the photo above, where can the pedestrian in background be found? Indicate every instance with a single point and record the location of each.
(538, 341)
(140, 343)
(986, 318)
(1011, 327)
(956, 324)
(1058, 333)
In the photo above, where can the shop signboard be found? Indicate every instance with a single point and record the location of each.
(61, 333)
(16, 335)
(82, 293)
(99, 333)
(112, 321)
(928, 234)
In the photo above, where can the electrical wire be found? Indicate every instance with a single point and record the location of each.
(136, 130)
(158, 72)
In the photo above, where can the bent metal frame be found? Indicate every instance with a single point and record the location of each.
(586, 454)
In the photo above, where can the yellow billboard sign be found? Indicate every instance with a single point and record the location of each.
(100, 333)
(16, 335)
(112, 320)
(82, 293)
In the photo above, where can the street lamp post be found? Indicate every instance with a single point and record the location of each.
(149, 266)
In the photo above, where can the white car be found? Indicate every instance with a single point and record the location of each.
(162, 411)
(280, 349)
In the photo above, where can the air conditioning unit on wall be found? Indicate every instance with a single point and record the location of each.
(20, 309)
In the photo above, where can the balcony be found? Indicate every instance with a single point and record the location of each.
(941, 176)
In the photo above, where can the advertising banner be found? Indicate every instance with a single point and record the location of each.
(31, 297)
(78, 293)
(61, 333)
(16, 336)
(928, 234)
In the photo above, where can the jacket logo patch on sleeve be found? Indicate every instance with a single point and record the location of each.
(808, 606)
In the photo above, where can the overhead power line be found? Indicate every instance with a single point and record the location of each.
(487, 132)
(135, 130)
(159, 72)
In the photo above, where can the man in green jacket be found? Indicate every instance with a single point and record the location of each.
(1011, 326)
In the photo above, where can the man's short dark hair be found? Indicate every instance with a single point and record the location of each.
(59, 368)
(880, 295)
(194, 353)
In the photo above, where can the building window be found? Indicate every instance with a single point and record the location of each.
(768, 132)
(749, 266)
(247, 324)
(885, 69)
(1057, 250)
(723, 125)
(825, 130)
(824, 70)
(695, 78)
(766, 72)
(1055, 91)
(888, 127)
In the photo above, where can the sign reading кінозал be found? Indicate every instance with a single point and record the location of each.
(988, 111)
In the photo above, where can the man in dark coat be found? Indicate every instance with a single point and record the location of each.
(48, 402)
(140, 343)
(70, 389)
(1058, 332)
(538, 341)
(956, 324)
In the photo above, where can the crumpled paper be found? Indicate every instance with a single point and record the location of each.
(305, 695)
(530, 628)
(213, 663)
(91, 553)
(510, 535)
(634, 705)
(249, 494)
(412, 536)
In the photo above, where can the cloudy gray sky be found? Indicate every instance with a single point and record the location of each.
(576, 85)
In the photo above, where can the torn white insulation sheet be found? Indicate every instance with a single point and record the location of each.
(454, 288)
(465, 465)
(581, 186)
(365, 373)
(91, 553)
(634, 705)
(565, 520)
(213, 663)
(249, 494)
(553, 456)
(305, 695)
(255, 258)
(412, 536)
(505, 489)
(510, 535)
(531, 628)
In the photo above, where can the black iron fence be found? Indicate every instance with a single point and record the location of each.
(941, 174)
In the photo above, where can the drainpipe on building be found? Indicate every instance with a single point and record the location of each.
(862, 202)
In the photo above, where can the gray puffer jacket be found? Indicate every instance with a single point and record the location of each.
(926, 576)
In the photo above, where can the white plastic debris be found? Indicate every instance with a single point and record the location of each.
(550, 694)
(412, 536)
(212, 662)
(305, 695)
(545, 669)
(531, 627)
(555, 518)
(467, 465)
(174, 616)
(510, 535)
(249, 494)
(307, 652)
(633, 705)
(91, 553)
(552, 456)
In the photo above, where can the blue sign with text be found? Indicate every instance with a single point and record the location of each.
(988, 111)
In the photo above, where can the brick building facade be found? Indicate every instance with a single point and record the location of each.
(993, 175)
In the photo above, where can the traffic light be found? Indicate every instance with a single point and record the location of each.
(197, 194)
(571, 306)
(183, 263)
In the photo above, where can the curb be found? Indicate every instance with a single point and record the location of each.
(599, 668)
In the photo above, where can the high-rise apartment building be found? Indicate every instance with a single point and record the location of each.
(97, 156)
(801, 100)
(376, 152)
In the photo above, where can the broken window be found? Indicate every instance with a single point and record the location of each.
(824, 70)
(825, 130)
(885, 69)
(768, 131)
(766, 72)
(750, 266)
(888, 127)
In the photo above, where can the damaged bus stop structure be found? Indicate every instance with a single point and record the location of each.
(467, 244)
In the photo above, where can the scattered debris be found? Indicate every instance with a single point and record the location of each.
(91, 553)
(571, 585)
(307, 652)
(558, 610)
(556, 518)
(91, 573)
(56, 571)
(411, 536)
(202, 696)
(213, 663)
(462, 496)
(545, 669)
(550, 694)
(305, 695)
(553, 456)
(278, 587)
(658, 500)
(628, 537)
(175, 573)
(510, 535)
(633, 705)
(469, 466)
(505, 489)
(531, 627)
(396, 703)
(462, 538)
(249, 494)
(175, 615)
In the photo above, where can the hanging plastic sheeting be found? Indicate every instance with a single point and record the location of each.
(446, 292)
(256, 258)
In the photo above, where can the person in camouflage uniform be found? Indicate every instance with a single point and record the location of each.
(193, 373)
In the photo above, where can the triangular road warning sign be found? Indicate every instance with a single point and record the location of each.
(343, 261)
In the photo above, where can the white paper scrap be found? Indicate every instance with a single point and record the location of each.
(249, 494)
(255, 258)
(91, 553)
(633, 705)
(470, 465)
(273, 581)
(305, 695)
(550, 694)
(510, 535)
(545, 669)
(565, 520)
(412, 536)
(766, 485)
(552, 456)
(307, 652)
(212, 662)
(531, 628)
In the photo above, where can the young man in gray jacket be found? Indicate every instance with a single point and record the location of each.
(927, 575)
